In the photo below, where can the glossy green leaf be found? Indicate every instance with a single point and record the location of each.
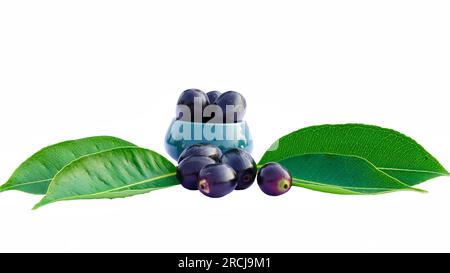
(340, 174)
(390, 151)
(115, 173)
(34, 175)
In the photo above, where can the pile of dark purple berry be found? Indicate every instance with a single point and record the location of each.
(204, 167)
(230, 104)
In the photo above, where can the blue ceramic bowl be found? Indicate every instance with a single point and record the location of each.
(226, 136)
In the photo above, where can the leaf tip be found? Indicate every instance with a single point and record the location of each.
(419, 190)
(41, 203)
(4, 187)
(38, 205)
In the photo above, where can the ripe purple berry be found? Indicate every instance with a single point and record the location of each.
(213, 95)
(235, 101)
(217, 180)
(189, 168)
(207, 150)
(244, 166)
(274, 179)
(191, 104)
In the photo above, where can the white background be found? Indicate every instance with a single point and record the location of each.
(72, 69)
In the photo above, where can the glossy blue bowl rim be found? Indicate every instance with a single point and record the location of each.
(175, 147)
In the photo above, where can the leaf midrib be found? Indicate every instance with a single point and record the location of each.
(351, 187)
(380, 168)
(74, 197)
(412, 170)
(50, 179)
(25, 184)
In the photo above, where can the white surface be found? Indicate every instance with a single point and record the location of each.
(82, 68)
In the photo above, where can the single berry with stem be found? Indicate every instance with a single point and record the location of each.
(217, 180)
(189, 168)
(244, 166)
(274, 179)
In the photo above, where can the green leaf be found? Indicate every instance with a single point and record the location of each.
(390, 151)
(115, 173)
(340, 174)
(34, 175)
